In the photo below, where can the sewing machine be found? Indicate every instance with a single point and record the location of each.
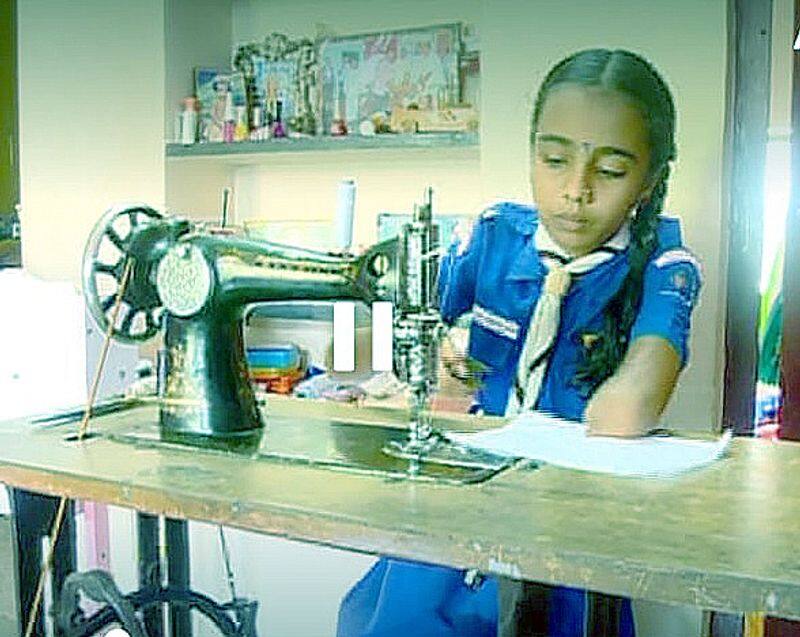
(196, 285)
(509, 526)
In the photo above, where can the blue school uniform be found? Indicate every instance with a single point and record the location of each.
(498, 278)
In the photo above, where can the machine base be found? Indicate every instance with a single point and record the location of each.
(335, 442)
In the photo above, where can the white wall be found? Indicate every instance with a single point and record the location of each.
(197, 33)
(91, 102)
(298, 586)
(95, 95)
(519, 41)
(305, 185)
(778, 174)
(783, 36)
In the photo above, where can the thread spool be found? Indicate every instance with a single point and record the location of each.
(345, 209)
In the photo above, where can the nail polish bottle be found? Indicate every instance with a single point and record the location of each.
(278, 127)
(230, 119)
(241, 130)
(257, 124)
(339, 121)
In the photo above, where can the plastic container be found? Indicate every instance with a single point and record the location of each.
(189, 121)
(276, 357)
(276, 368)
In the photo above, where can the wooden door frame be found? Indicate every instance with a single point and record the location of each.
(790, 343)
(747, 125)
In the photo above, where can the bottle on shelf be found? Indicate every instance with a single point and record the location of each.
(278, 127)
(230, 119)
(257, 124)
(241, 131)
(339, 122)
(188, 121)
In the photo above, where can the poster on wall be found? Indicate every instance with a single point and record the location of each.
(281, 70)
(376, 72)
(276, 80)
(211, 87)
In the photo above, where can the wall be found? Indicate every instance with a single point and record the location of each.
(9, 178)
(79, 157)
(519, 41)
(298, 586)
(91, 120)
(197, 33)
(304, 186)
(387, 181)
(777, 181)
(783, 37)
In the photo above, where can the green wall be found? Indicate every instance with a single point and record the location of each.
(9, 171)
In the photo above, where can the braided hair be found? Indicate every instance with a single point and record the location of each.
(633, 77)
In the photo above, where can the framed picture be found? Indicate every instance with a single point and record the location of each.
(211, 87)
(377, 72)
(280, 68)
(276, 80)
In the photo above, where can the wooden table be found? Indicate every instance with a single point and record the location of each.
(725, 537)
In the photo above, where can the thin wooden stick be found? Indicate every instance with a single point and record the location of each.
(37, 600)
(104, 352)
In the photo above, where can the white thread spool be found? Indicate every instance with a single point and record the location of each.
(345, 208)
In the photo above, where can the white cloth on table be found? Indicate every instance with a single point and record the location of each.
(564, 443)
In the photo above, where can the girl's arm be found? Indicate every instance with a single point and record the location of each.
(630, 402)
(458, 272)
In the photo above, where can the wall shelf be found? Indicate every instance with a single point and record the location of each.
(239, 151)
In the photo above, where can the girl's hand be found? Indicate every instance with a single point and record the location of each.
(614, 411)
(630, 403)
(453, 353)
(454, 359)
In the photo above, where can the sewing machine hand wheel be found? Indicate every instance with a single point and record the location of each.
(122, 234)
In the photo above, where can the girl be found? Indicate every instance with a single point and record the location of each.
(580, 307)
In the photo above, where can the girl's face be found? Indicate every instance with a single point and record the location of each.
(590, 160)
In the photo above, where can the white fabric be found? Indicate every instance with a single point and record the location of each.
(677, 255)
(565, 443)
(43, 345)
(546, 316)
(42, 348)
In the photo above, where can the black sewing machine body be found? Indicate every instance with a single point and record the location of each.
(197, 286)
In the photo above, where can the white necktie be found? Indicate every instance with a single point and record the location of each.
(543, 328)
